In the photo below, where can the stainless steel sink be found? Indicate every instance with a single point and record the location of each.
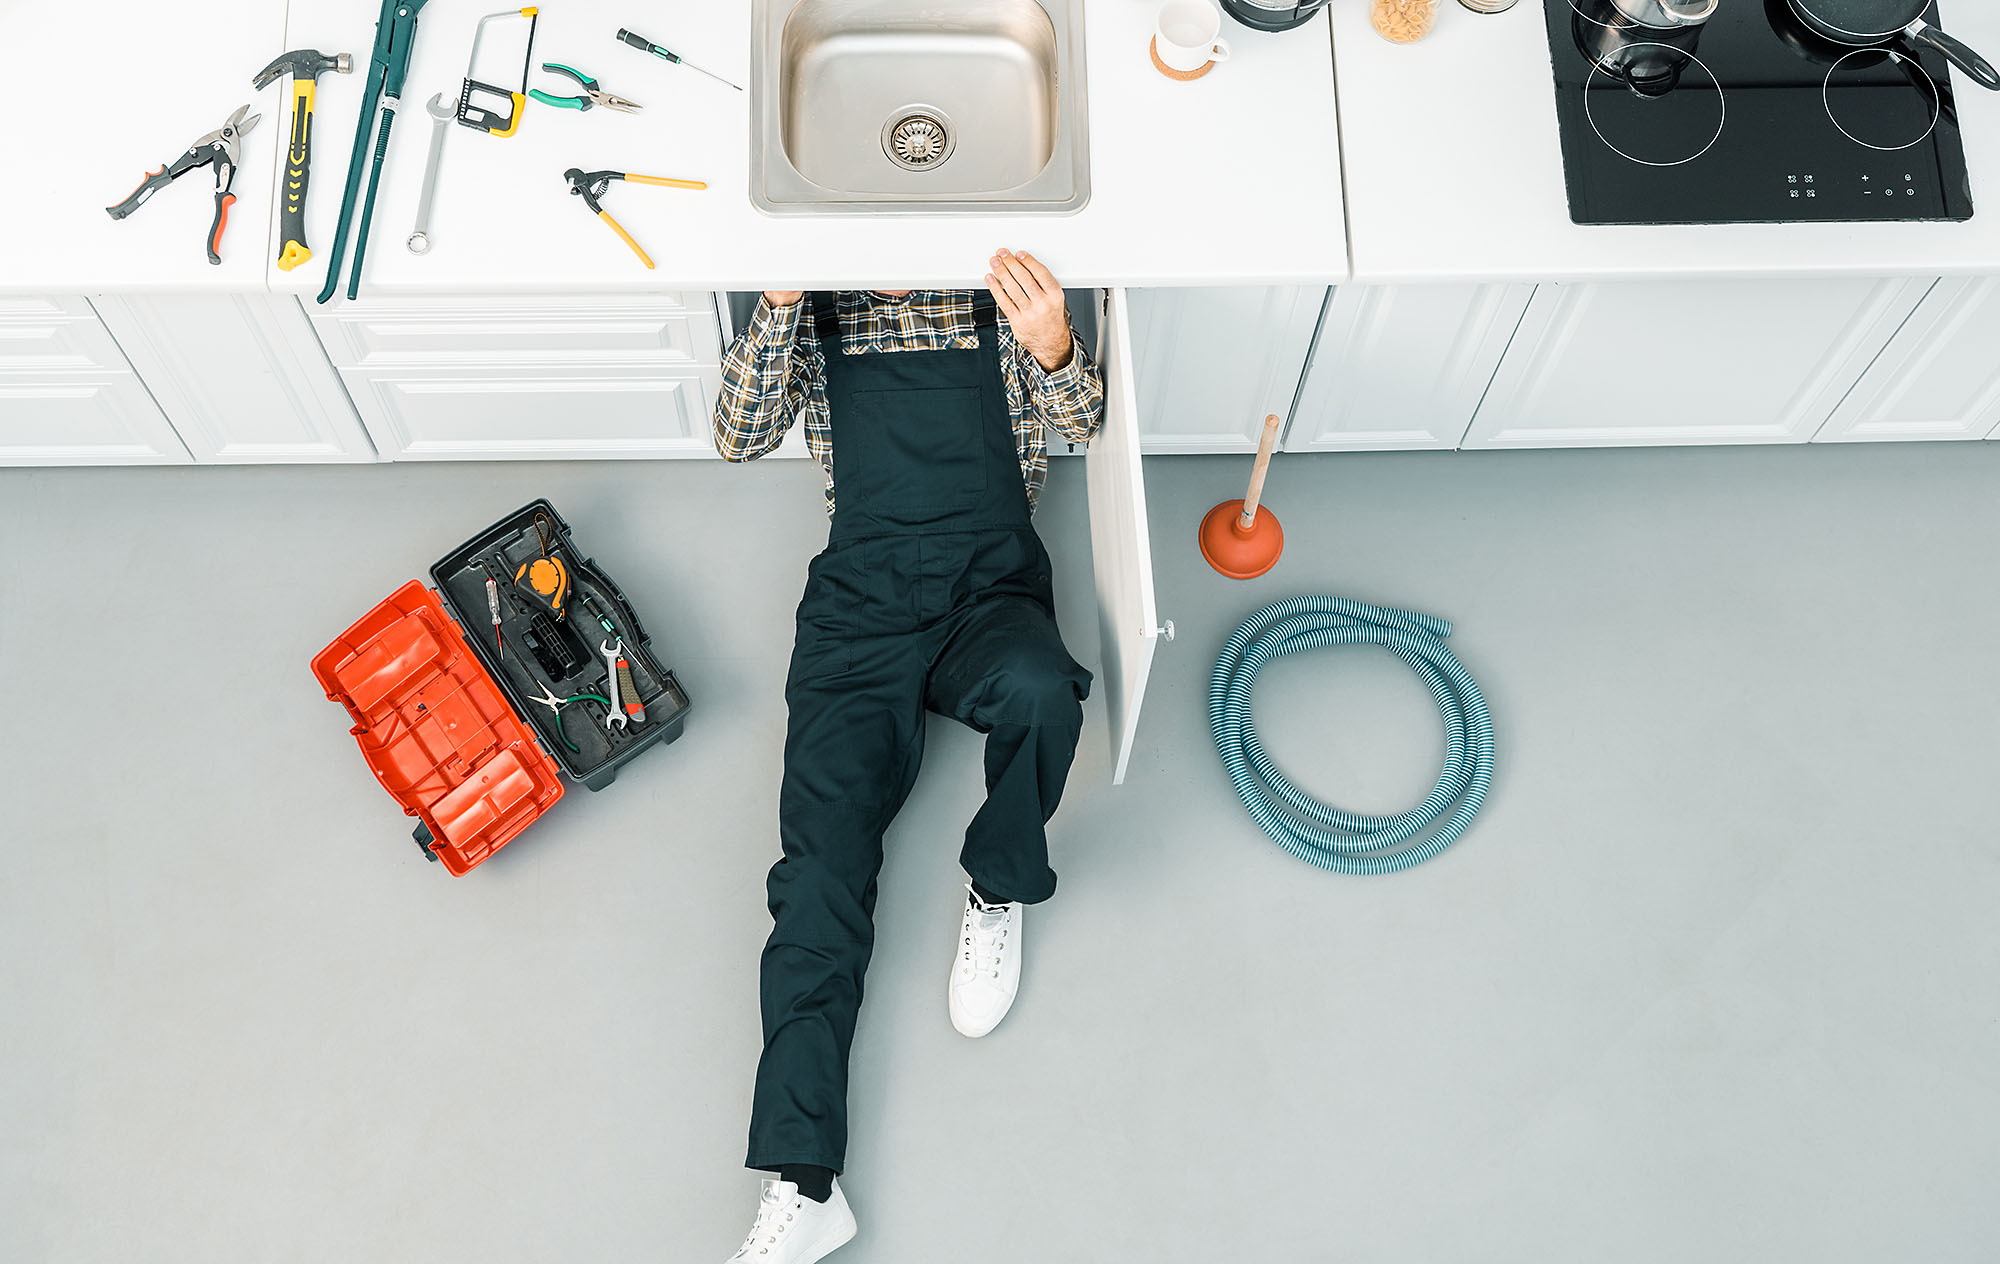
(918, 106)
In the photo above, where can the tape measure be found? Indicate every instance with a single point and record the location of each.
(546, 579)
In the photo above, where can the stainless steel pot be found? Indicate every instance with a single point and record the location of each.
(1645, 58)
(1273, 15)
(1667, 15)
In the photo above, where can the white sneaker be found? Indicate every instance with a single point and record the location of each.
(987, 973)
(793, 1229)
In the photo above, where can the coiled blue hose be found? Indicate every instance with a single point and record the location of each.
(1349, 842)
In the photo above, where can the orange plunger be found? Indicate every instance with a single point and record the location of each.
(1235, 538)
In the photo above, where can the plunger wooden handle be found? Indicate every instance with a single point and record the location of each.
(1256, 493)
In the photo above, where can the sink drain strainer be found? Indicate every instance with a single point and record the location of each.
(917, 137)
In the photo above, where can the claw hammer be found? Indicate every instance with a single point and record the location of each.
(304, 65)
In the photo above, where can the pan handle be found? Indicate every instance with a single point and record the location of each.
(1923, 33)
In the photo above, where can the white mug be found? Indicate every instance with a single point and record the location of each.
(1185, 36)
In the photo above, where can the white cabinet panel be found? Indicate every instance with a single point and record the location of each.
(93, 418)
(44, 307)
(1215, 361)
(241, 376)
(537, 411)
(1939, 377)
(660, 329)
(60, 335)
(1121, 547)
(68, 395)
(1663, 362)
(1403, 366)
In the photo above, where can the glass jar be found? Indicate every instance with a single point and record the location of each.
(1403, 21)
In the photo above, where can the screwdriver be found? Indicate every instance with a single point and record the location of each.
(667, 54)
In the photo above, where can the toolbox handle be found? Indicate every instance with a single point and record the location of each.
(630, 611)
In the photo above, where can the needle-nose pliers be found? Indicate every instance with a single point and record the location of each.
(556, 704)
(592, 94)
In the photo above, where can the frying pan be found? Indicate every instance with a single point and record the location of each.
(1865, 23)
(1820, 50)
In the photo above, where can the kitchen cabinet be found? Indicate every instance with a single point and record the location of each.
(1939, 377)
(1662, 362)
(1121, 548)
(539, 412)
(1403, 366)
(240, 376)
(1215, 360)
(482, 377)
(68, 395)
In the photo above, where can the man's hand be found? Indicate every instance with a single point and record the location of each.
(783, 298)
(1033, 304)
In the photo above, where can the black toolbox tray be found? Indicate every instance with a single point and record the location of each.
(460, 579)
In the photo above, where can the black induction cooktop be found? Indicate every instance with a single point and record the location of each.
(1748, 118)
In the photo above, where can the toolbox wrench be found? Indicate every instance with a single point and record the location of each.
(614, 716)
(442, 113)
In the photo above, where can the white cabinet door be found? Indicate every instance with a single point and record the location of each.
(83, 419)
(389, 333)
(495, 377)
(1215, 361)
(540, 412)
(1403, 366)
(67, 394)
(240, 376)
(1121, 548)
(1660, 362)
(1939, 377)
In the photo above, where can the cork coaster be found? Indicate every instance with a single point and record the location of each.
(1185, 76)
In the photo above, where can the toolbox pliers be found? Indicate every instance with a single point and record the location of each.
(592, 94)
(555, 704)
(220, 149)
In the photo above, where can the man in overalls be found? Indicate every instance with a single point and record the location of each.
(927, 410)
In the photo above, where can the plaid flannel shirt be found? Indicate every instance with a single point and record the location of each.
(776, 370)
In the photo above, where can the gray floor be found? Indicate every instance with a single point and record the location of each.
(1713, 978)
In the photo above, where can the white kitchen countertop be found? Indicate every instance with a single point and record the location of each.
(99, 95)
(1454, 171)
(1452, 163)
(1232, 179)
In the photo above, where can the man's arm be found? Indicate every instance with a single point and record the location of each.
(766, 379)
(1064, 384)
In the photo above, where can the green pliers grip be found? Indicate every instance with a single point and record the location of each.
(592, 94)
(583, 102)
(580, 697)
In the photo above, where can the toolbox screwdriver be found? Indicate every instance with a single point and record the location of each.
(597, 612)
(667, 54)
(493, 605)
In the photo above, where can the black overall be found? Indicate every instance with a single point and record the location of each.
(933, 593)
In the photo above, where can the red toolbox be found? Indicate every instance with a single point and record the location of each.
(446, 711)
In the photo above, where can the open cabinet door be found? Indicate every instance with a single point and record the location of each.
(1121, 547)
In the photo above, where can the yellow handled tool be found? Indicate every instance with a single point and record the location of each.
(590, 186)
(304, 65)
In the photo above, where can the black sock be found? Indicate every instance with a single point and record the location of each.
(815, 1183)
(987, 897)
